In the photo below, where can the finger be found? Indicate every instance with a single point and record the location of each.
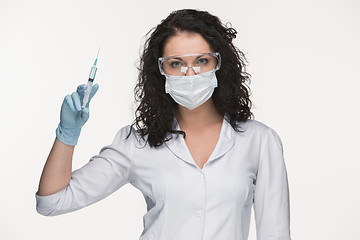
(69, 102)
(81, 90)
(76, 100)
(84, 116)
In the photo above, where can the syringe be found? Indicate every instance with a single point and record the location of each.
(90, 81)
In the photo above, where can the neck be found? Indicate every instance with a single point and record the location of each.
(202, 116)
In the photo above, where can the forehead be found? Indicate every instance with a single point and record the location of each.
(185, 43)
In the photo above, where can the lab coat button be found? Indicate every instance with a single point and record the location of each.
(198, 213)
(201, 175)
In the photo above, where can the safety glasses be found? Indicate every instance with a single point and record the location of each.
(179, 65)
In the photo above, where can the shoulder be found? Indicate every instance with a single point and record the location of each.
(129, 135)
(257, 130)
(254, 126)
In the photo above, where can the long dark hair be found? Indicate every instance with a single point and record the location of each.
(155, 114)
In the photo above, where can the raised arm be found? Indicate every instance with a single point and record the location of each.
(57, 170)
(101, 176)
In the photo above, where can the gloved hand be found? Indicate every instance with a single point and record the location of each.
(72, 116)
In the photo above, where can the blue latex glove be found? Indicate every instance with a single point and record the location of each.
(72, 116)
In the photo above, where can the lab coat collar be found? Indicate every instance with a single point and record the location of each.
(226, 141)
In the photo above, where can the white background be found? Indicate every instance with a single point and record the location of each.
(304, 61)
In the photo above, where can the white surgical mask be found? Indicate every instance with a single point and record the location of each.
(191, 91)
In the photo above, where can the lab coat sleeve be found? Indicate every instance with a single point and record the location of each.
(271, 196)
(101, 176)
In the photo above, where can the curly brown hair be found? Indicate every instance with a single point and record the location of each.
(155, 114)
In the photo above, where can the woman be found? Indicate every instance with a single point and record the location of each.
(195, 154)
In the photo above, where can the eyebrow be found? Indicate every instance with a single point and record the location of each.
(179, 58)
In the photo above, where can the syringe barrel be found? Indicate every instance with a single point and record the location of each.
(87, 94)
(92, 73)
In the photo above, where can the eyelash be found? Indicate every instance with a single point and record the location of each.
(200, 61)
(203, 59)
(173, 64)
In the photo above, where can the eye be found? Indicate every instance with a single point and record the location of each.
(202, 61)
(176, 64)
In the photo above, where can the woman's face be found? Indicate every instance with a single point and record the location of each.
(186, 43)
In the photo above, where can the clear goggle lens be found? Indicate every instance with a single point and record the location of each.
(199, 63)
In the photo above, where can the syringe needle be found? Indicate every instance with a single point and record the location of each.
(98, 52)
(97, 55)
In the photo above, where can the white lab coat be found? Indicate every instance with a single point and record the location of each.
(186, 202)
